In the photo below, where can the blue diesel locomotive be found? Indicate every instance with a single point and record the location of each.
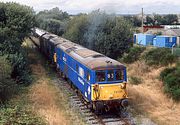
(100, 79)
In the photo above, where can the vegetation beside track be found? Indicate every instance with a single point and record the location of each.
(15, 23)
(46, 99)
(19, 111)
(171, 80)
(153, 88)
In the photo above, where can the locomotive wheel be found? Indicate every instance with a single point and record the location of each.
(60, 73)
(98, 107)
(64, 76)
(90, 106)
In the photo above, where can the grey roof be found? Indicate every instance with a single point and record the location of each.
(90, 58)
(172, 32)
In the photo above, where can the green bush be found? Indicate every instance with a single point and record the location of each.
(133, 54)
(171, 80)
(7, 85)
(20, 71)
(159, 56)
(165, 72)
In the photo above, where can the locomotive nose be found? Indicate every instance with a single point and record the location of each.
(124, 103)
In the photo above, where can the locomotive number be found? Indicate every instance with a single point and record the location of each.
(116, 92)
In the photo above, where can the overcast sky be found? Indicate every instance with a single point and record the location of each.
(111, 6)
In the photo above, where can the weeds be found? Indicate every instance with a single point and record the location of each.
(7, 85)
(171, 80)
(133, 54)
(17, 111)
(159, 56)
(135, 80)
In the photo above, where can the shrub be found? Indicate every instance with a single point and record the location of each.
(135, 80)
(165, 72)
(159, 56)
(133, 54)
(20, 71)
(171, 79)
(7, 86)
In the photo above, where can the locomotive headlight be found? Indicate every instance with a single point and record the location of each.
(123, 85)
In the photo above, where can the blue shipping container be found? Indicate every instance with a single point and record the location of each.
(145, 39)
(164, 41)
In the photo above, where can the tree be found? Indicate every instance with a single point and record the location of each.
(3, 17)
(149, 21)
(113, 37)
(16, 23)
(53, 20)
(158, 19)
(101, 32)
(76, 29)
(170, 19)
(134, 20)
(166, 19)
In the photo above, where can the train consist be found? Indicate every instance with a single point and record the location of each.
(99, 79)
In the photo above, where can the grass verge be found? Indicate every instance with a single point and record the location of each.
(47, 99)
(18, 111)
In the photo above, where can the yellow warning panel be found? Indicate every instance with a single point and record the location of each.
(109, 91)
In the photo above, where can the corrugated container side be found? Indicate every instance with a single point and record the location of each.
(145, 39)
(154, 42)
(149, 39)
(160, 41)
(164, 41)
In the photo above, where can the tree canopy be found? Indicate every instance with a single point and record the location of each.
(134, 20)
(169, 19)
(53, 20)
(101, 32)
(16, 22)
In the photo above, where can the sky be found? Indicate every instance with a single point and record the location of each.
(110, 6)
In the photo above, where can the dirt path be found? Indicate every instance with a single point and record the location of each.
(48, 101)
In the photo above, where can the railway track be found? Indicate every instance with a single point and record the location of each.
(91, 118)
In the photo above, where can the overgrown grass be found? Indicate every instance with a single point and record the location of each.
(135, 80)
(171, 80)
(7, 84)
(133, 54)
(17, 111)
(15, 106)
(159, 56)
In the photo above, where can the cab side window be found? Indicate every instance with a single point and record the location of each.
(119, 75)
(110, 75)
(100, 76)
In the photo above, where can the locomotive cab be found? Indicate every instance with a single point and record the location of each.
(110, 88)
